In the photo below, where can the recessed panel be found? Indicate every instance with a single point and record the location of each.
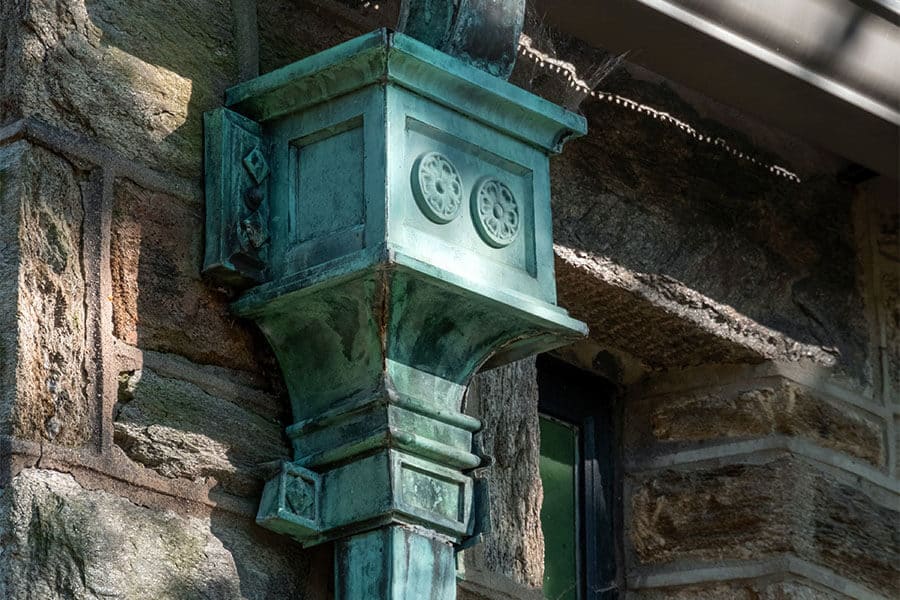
(431, 493)
(329, 191)
(495, 218)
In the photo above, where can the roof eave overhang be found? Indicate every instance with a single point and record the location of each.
(828, 72)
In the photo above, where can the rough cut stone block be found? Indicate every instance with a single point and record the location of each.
(42, 337)
(629, 314)
(750, 511)
(10, 201)
(506, 400)
(765, 409)
(7, 32)
(159, 301)
(643, 199)
(896, 446)
(279, 44)
(178, 430)
(887, 266)
(60, 540)
(137, 80)
(736, 511)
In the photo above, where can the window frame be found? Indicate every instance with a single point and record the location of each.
(589, 402)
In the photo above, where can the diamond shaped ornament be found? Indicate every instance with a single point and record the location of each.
(256, 165)
(291, 503)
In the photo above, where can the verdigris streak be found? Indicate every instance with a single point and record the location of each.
(482, 33)
(386, 209)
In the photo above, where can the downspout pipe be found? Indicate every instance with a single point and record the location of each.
(382, 209)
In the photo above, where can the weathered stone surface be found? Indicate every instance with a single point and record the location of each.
(493, 587)
(719, 244)
(887, 269)
(854, 536)
(749, 511)
(43, 333)
(896, 446)
(326, 23)
(506, 401)
(7, 32)
(52, 401)
(10, 201)
(159, 300)
(59, 540)
(137, 80)
(758, 410)
(736, 512)
(178, 430)
(279, 44)
(751, 590)
(671, 329)
(245, 389)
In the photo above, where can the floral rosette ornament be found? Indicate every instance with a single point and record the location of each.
(496, 213)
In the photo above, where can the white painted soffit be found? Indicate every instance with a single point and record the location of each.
(825, 70)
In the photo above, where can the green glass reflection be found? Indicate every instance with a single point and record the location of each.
(559, 457)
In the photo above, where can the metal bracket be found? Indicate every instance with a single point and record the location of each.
(237, 215)
(291, 503)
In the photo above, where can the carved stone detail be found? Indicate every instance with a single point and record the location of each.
(496, 212)
(437, 187)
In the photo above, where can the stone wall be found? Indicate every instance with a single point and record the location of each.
(751, 322)
(62, 540)
(758, 472)
(138, 417)
(155, 444)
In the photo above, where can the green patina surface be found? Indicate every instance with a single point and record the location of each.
(387, 208)
(482, 33)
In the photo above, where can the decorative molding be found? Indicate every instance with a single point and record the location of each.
(237, 211)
